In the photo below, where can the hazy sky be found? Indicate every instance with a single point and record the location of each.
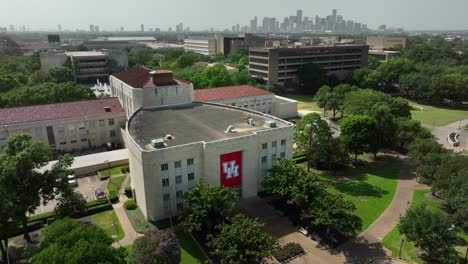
(221, 14)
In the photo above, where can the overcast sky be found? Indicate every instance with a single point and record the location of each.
(221, 14)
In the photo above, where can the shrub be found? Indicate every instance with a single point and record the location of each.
(113, 196)
(128, 191)
(156, 246)
(130, 205)
(288, 251)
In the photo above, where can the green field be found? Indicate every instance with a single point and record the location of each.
(138, 220)
(431, 115)
(113, 171)
(371, 187)
(105, 220)
(305, 102)
(190, 251)
(409, 251)
(116, 183)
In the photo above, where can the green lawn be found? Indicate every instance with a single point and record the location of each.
(113, 171)
(409, 251)
(305, 102)
(105, 220)
(116, 183)
(190, 251)
(138, 220)
(371, 188)
(431, 115)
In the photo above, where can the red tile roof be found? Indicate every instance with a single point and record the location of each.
(219, 93)
(17, 115)
(139, 77)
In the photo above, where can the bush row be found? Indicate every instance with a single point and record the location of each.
(130, 205)
(288, 251)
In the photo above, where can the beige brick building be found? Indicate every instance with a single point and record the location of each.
(173, 141)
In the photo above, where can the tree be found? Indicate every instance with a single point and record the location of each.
(357, 133)
(241, 240)
(39, 77)
(209, 206)
(217, 76)
(143, 57)
(242, 77)
(428, 155)
(431, 231)
(67, 241)
(282, 178)
(156, 246)
(8, 219)
(312, 134)
(61, 74)
(311, 77)
(400, 107)
(386, 75)
(219, 57)
(360, 102)
(385, 128)
(8, 82)
(329, 210)
(415, 85)
(21, 181)
(71, 203)
(408, 130)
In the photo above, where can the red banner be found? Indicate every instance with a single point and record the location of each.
(231, 169)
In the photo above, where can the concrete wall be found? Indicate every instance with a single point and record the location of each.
(261, 103)
(50, 60)
(284, 107)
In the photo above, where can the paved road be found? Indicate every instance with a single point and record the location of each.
(441, 134)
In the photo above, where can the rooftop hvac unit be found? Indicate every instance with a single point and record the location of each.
(270, 123)
(230, 129)
(158, 143)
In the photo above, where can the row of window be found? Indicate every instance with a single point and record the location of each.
(178, 181)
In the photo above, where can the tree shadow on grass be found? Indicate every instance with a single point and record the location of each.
(360, 188)
(359, 250)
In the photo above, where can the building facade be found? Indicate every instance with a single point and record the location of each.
(280, 64)
(386, 42)
(66, 126)
(174, 140)
(89, 66)
(202, 45)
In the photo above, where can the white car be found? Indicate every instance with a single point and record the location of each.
(72, 180)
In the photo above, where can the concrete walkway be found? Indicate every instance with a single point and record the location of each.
(130, 233)
(441, 134)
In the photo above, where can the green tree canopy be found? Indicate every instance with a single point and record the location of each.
(67, 241)
(61, 74)
(358, 133)
(156, 246)
(241, 240)
(360, 102)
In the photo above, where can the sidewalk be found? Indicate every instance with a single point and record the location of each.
(130, 233)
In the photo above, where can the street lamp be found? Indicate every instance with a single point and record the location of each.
(401, 245)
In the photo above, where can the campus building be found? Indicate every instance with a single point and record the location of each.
(173, 140)
(276, 65)
(66, 126)
(202, 45)
(386, 42)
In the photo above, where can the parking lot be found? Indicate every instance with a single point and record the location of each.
(86, 186)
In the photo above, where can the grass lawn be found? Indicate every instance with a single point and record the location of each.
(105, 221)
(442, 116)
(116, 183)
(409, 251)
(138, 220)
(113, 171)
(305, 102)
(190, 252)
(371, 187)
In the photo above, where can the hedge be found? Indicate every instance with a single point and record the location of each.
(288, 251)
(128, 191)
(130, 205)
(113, 196)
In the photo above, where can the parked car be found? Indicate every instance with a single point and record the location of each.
(99, 194)
(72, 180)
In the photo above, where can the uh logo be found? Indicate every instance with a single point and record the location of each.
(231, 169)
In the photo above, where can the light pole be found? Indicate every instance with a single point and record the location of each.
(401, 245)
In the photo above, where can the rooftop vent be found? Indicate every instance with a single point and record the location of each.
(230, 129)
(169, 137)
(270, 123)
(158, 143)
(107, 108)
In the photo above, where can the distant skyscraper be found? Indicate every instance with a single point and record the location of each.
(96, 28)
(253, 24)
(299, 17)
(12, 28)
(142, 28)
(59, 28)
(237, 28)
(91, 28)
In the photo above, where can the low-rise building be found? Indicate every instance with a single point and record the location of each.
(276, 65)
(202, 45)
(66, 126)
(89, 66)
(384, 55)
(386, 42)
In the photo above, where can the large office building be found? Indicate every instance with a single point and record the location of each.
(202, 45)
(173, 140)
(66, 126)
(386, 42)
(224, 44)
(276, 65)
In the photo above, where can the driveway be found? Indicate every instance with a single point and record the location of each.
(86, 186)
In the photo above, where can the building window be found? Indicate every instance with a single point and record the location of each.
(180, 206)
(165, 182)
(283, 142)
(191, 176)
(282, 155)
(84, 140)
(165, 171)
(101, 123)
(264, 159)
(179, 195)
(112, 133)
(111, 122)
(63, 143)
(178, 179)
(73, 141)
(273, 159)
(166, 197)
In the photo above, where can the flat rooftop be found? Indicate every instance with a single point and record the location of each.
(85, 53)
(194, 122)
